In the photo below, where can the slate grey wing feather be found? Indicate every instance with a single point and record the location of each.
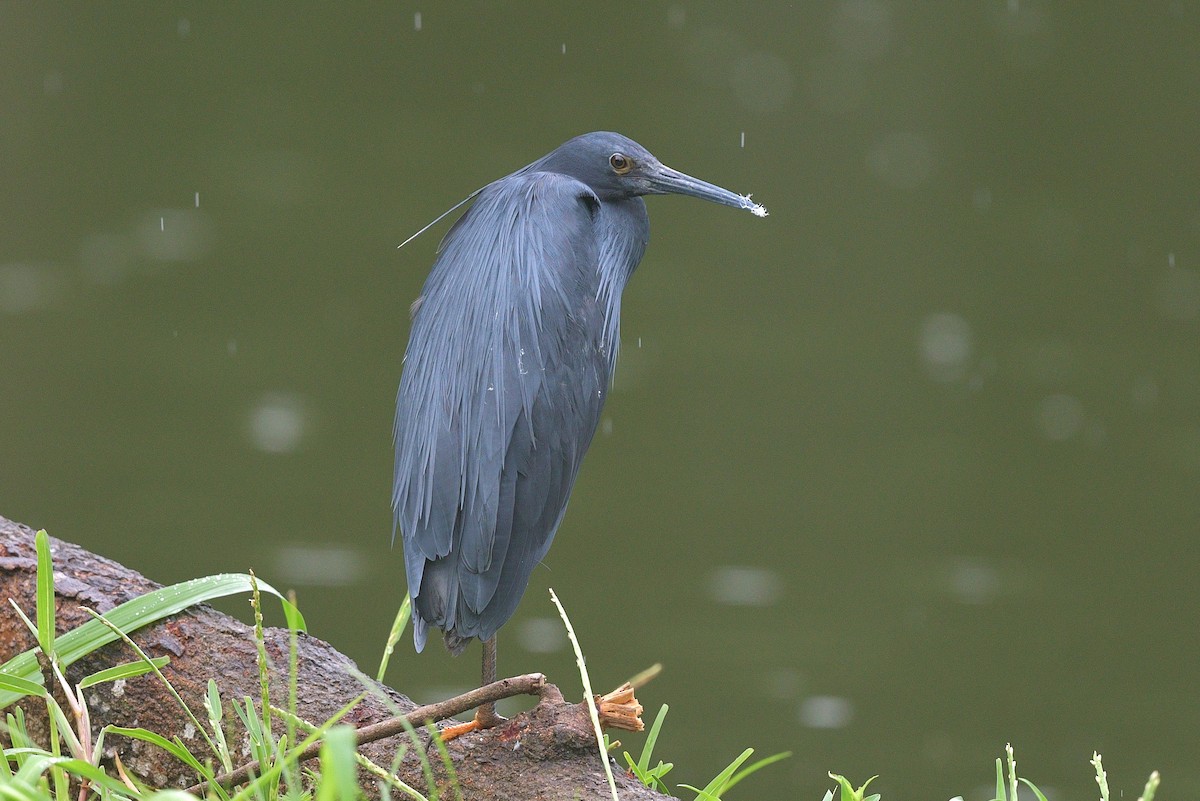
(499, 398)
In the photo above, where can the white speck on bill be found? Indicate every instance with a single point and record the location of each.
(757, 209)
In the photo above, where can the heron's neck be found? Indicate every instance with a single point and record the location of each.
(624, 231)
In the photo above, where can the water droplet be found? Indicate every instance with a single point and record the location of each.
(1060, 417)
(733, 585)
(945, 345)
(27, 287)
(826, 712)
(278, 422)
(542, 635)
(971, 581)
(320, 565)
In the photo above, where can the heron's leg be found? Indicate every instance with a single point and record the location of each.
(485, 714)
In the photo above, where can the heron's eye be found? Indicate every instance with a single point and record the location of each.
(621, 164)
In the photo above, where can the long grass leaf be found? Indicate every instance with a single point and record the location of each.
(447, 763)
(45, 594)
(1040, 795)
(65, 730)
(39, 765)
(652, 738)
(338, 769)
(17, 735)
(713, 788)
(130, 616)
(173, 748)
(588, 695)
(29, 624)
(127, 670)
(398, 625)
(759, 765)
(23, 687)
(419, 750)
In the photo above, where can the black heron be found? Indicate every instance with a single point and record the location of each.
(513, 344)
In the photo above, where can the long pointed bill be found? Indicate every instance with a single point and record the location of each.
(663, 181)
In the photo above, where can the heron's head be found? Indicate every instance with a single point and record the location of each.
(617, 168)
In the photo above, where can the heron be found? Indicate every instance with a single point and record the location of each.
(510, 357)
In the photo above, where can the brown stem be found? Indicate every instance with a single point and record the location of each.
(529, 684)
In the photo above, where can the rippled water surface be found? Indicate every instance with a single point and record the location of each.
(901, 473)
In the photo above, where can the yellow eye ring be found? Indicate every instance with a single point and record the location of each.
(620, 163)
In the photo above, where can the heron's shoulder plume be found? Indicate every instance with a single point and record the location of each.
(443, 215)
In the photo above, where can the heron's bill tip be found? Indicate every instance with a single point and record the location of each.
(757, 209)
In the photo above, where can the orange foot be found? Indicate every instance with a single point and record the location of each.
(485, 718)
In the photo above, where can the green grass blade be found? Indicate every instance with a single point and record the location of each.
(212, 706)
(33, 767)
(338, 769)
(97, 749)
(588, 695)
(261, 649)
(29, 624)
(129, 616)
(847, 792)
(291, 612)
(17, 734)
(718, 782)
(759, 765)
(1151, 787)
(171, 747)
(1001, 793)
(701, 795)
(5, 769)
(128, 670)
(95, 775)
(260, 749)
(65, 730)
(1040, 795)
(36, 766)
(652, 738)
(1012, 770)
(419, 750)
(22, 687)
(45, 594)
(1101, 776)
(398, 626)
(447, 763)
